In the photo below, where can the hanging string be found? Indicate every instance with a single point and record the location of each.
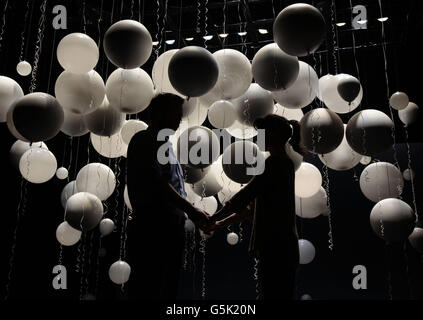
(206, 11)
(51, 61)
(327, 189)
(410, 170)
(97, 276)
(111, 22)
(81, 264)
(89, 267)
(256, 278)
(332, 16)
(84, 20)
(197, 22)
(100, 19)
(194, 265)
(203, 280)
(21, 57)
(354, 48)
(3, 25)
(38, 46)
(132, 10)
(180, 24)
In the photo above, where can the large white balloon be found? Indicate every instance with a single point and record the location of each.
(222, 114)
(392, 220)
(290, 114)
(66, 235)
(20, 147)
(129, 91)
(130, 128)
(119, 272)
(96, 178)
(313, 206)
(83, 211)
(105, 120)
(80, 93)
(399, 100)
(308, 180)
(10, 91)
(307, 251)
(409, 114)
(77, 53)
(342, 158)
(109, 147)
(74, 124)
(160, 73)
(381, 180)
(302, 92)
(38, 165)
(68, 191)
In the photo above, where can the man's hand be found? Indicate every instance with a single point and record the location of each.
(199, 217)
(211, 226)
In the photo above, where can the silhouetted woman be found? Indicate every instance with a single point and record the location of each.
(274, 238)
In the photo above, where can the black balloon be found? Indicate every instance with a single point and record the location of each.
(35, 117)
(299, 29)
(348, 88)
(193, 175)
(193, 71)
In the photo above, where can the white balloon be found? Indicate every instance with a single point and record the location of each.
(96, 178)
(211, 183)
(160, 73)
(408, 174)
(222, 114)
(302, 92)
(313, 206)
(105, 120)
(232, 238)
(307, 251)
(119, 272)
(381, 180)
(399, 100)
(109, 147)
(307, 180)
(416, 239)
(409, 114)
(74, 124)
(62, 173)
(68, 191)
(20, 147)
(107, 226)
(10, 91)
(290, 114)
(77, 53)
(84, 211)
(80, 93)
(66, 235)
(126, 198)
(208, 204)
(24, 68)
(241, 130)
(189, 225)
(198, 114)
(130, 128)
(129, 91)
(38, 165)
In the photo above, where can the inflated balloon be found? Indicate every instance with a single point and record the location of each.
(416, 239)
(38, 165)
(322, 130)
(299, 29)
(129, 91)
(198, 147)
(62, 173)
(74, 124)
(232, 238)
(77, 53)
(109, 147)
(273, 69)
(107, 226)
(313, 206)
(130, 128)
(211, 184)
(365, 160)
(255, 103)
(96, 178)
(348, 87)
(342, 158)
(408, 174)
(189, 225)
(160, 73)
(66, 235)
(83, 211)
(80, 93)
(290, 114)
(19, 148)
(399, 100)
(222, 114)
(105, 120)
(241, 130)
(208, 204)
(308, 180)
(193, 175)
(328, 93)
(392, 220)
(128, 44)
(307, 251)
(68, 191)
(296, 158)
(10, 91)
(119, 272)
(302, 92)
(235, 74)
(24, 68)
(306, 297)
(381, 180)
(369, 132)
(194, 113)
(193, 71)
(126, 198)
(409, 114)
(242, 160)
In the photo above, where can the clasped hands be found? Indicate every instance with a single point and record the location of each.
(206, 222)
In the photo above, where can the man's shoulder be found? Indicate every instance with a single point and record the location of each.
(142, 137)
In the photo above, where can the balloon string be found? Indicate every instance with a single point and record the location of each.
(132, 10)
(100, 19)
(411, 172)
(332, 16)
(327, 188)
(256, 278)
(224, 24)
(240, 232)
(82, 265)
(180, 24)
(3, 23)
(194, 265)
(89, 267)
(354, 48)
(206, 10)
(97, 277)
(111, 22)
(51, 61)
(23, 32)
(84, 20)
(203, 280)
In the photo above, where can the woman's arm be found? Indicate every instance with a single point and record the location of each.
(232, 219)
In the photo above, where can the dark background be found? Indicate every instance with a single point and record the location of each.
(393, 270)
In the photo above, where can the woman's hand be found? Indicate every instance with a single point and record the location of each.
(212, 226)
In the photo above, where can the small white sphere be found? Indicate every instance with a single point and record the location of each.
(119, 272)
(62, 173)
(232, 238)
(189, 226)
(24, 68)
(408, 174)
(66, 235)
(307, 251)
(365, 160)
(399, 100)
(107, 226)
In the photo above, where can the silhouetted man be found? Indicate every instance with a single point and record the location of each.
(156, 235)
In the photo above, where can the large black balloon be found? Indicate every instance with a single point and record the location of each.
(348, 88)
(193, 71)
(128, 44)
(299, 29)
(35, 117)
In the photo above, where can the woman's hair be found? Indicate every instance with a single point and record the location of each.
(286, 130)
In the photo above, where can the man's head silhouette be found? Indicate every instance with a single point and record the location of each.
(166, 111)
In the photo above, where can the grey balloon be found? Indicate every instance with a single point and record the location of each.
(105, 120)
(273, 69)
(35, 117)
(74, 124)
(193, 71)
(348, 88)
(416, 239)
(369, 132)
(322, 130)
(299, 29)
(83, 211)
(128, 44)
(193, 175)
